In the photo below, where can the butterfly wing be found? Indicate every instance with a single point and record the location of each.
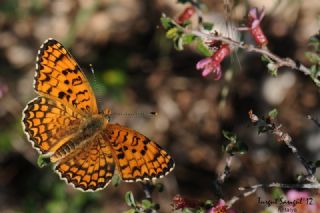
(59, 77)
(49, 124)
(89, 168)
(137, 157)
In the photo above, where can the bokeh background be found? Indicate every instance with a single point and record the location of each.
(138, 71)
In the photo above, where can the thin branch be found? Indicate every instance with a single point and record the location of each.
(148, 189)
(220, 180)
(281, 62)
(316, 121)
(282, 136)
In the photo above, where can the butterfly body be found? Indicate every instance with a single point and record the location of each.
(64, 125)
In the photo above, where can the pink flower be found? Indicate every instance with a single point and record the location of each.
(213, 63)
(220, 208)
(253, 26)
(186, 14)
(302, 201)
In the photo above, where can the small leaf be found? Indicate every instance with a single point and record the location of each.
(242, 148)
(172, 33)
(313, 57)
(178, 43)
(43, 161)
(187, 210)
(207, 26)
(188, 38)
(146, 204)
(166, 22)
(273, 113)
(130, 211)
(130, 199)
(273, 69)
(230, 136)
(159, 187)
(186, 23)
(266, 59)
(116, 180)
(200, 210)
(203, 49)
(208, 204)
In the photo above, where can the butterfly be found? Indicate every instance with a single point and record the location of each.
(66, 127)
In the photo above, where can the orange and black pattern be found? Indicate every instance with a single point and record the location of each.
(49, 124)
(64, 125)
(58, 76)
(90, 167)
(137, 157)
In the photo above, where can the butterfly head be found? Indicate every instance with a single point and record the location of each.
(107, 113)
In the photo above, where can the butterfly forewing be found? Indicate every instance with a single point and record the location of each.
(59, 77)
(49, 124)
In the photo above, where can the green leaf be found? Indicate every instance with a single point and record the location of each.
(116, 180)
(166, 22)
(207, 26)
(273, 113)
(317, 163)
(178, 43)
(230, 136)
(187, 210)
(130, 211)
(242, 148)
(188, 38)
(186, 23)
(43, 161)
(266, 59)
(200, 210)
(172, 33)
(130, 199)
(208, 204)
(313, 57)
(203, 49)
(146, 204)
(273, 68)
(159, 187)
(277, 193)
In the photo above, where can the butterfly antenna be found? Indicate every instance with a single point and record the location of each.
(97, 88)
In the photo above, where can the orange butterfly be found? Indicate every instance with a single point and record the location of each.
(64, 125)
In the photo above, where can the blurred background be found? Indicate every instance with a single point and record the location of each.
(139, 71)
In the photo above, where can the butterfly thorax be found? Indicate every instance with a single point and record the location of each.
(90, 127)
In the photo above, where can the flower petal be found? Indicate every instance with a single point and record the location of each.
(207, 71)
(218, 72)
(202, 63)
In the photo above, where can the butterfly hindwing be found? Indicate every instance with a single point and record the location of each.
(90, 167)
(137, 157)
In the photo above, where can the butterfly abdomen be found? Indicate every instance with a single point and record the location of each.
(84, 134)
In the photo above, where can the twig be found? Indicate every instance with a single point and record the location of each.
(148, 189)
(282, 136)
(316, 121)
(220, 180)
(281, 62)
